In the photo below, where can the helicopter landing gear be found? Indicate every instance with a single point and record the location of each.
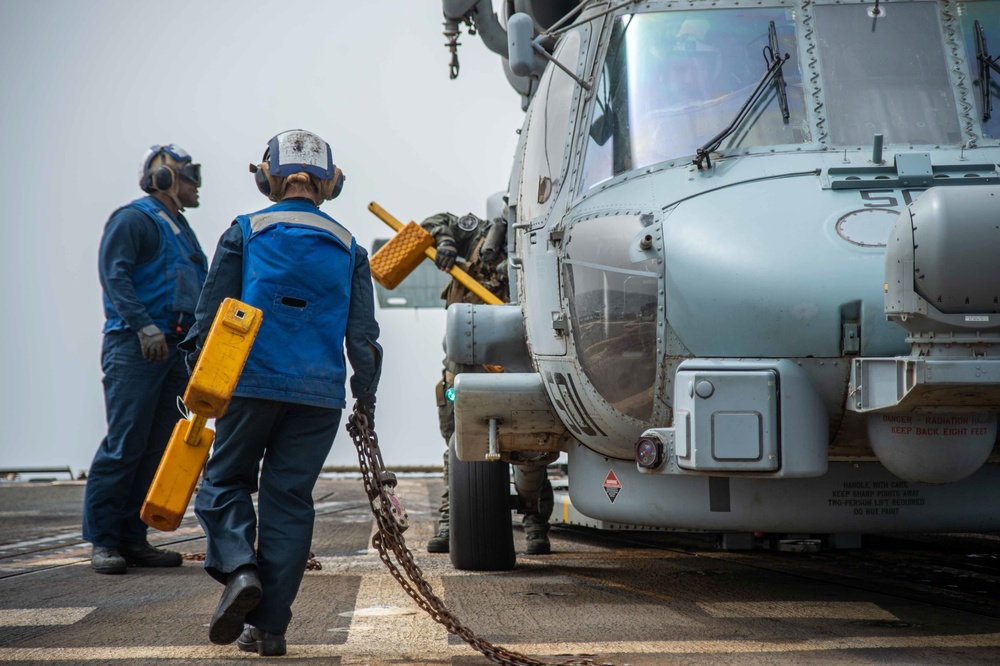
(481, 537)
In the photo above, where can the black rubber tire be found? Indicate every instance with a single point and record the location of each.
(480, 530)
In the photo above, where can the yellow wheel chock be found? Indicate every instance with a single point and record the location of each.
(208, 393)
(404, 252)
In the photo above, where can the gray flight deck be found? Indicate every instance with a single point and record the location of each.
(612, 596)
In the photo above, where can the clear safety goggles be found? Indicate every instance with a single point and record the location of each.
(191, 173)
(188, 170)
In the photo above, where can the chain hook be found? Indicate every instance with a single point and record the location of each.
(452, 32)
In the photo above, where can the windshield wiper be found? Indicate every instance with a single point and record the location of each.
(986, 63)
(774, 62)
(779, 78)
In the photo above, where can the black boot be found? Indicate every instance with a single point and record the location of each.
(536, 534)
(107, 560)
(262, 642)
(439, 543)
(242, 594)
(141, 554)
(538, 542)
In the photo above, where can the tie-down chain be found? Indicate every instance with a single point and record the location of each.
(392, 522)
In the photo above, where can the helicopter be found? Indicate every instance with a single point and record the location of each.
(754, 285)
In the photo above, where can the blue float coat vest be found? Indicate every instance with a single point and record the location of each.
(170, 283)
(298, 264)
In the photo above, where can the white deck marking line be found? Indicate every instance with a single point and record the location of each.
(65, 536)
(356, 652)
(829, 610)
(381, 610)
(41, 617)
(415, 636)
(47, 562)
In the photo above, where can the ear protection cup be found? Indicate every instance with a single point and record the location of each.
(260, 178)
(330, 188)
(162, 179)
(338, 181)
(260, 173)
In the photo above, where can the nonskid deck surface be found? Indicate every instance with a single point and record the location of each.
(622, 597)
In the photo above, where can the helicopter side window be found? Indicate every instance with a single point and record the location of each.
(548, 129)
(672, 80)
(887, 75)
(986, 81)
(612, 294)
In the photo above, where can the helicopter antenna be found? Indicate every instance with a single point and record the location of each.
(875, 12)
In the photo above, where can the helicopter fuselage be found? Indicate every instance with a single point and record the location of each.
(758, 301)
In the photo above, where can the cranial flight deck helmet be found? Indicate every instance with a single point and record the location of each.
(294, 151)
(161, 166)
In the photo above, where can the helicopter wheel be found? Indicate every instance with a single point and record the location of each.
(480, 526)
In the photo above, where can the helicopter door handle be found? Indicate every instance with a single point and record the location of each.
(514, 261)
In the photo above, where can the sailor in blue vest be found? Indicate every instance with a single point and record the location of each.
(152, 270)
(312, 282)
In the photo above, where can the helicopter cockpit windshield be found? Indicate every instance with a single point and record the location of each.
(672, 80)
(886, 75)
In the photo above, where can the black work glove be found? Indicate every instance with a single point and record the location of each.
(366, 405)
(446, 255)
(153, 343)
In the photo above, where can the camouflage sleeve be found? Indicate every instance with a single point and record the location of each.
(441, 226)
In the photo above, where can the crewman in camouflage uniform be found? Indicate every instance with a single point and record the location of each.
(479, 248)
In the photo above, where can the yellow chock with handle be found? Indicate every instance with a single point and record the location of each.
(209, 390)
(397, 258)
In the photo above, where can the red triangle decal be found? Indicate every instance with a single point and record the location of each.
(611, 481)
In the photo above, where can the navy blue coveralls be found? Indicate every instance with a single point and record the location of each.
(152, 269)
(313, 284)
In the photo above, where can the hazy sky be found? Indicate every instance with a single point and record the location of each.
(86, 86)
